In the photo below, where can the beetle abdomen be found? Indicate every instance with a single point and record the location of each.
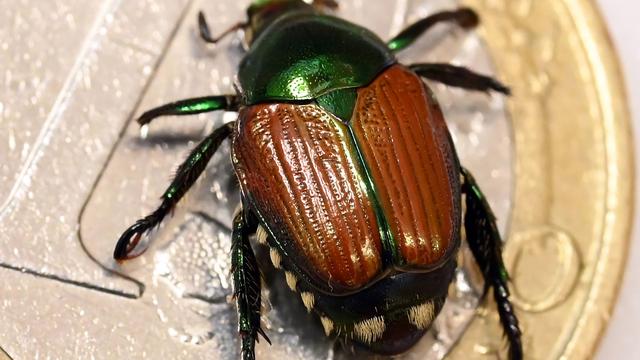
(405, 142)
(303, 178)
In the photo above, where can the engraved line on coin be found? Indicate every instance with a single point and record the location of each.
(82, 284)
(4, 355)
(558, 251)
(213, 220)
(121, 136)
(71, 82)
(49, 126)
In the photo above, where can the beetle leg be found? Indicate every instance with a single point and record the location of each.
(192, 106)
(464, 17)
(246, 283)
(459, 76)
(330, 4)
(185, 177)
(485, 244)
(205, 33)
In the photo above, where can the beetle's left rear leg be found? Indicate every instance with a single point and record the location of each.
(459, 76)
(185, 177)
(246, 283)
(485, 244)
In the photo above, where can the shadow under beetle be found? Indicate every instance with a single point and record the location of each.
(347, 172)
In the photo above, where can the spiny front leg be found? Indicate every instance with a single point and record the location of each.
(246, 283)
(464, 17)
(459, 76)
(485, 244)
(186, 176)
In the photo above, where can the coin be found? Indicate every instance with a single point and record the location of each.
(557, 182)
(568, 238)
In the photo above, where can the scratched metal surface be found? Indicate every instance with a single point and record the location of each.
(74, 173)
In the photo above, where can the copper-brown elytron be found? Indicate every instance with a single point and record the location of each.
(305, 181)
(406, 145)
(308, 180)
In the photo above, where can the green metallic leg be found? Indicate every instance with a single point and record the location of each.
(464, 17)
(205, 33)
(186, 176)
(191, 107)
(459, 77)
(485, 244)
(246, 283)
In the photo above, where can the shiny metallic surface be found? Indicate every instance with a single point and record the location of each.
(569, 231)
(75, 173)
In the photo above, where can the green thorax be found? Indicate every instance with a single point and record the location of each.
(303, 55)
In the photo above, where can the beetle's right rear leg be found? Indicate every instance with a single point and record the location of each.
(185, 177)
(485, 244)
(459, 76)
(246, 283)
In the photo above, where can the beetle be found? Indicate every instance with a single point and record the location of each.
(348, 172)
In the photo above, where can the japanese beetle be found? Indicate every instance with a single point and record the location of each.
(347, 172)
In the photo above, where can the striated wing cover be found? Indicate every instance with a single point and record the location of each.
(300, 172)
(406, 146)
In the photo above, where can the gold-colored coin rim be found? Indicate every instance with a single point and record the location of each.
(581, 18)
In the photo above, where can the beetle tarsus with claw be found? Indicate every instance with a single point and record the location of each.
(348, 173)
